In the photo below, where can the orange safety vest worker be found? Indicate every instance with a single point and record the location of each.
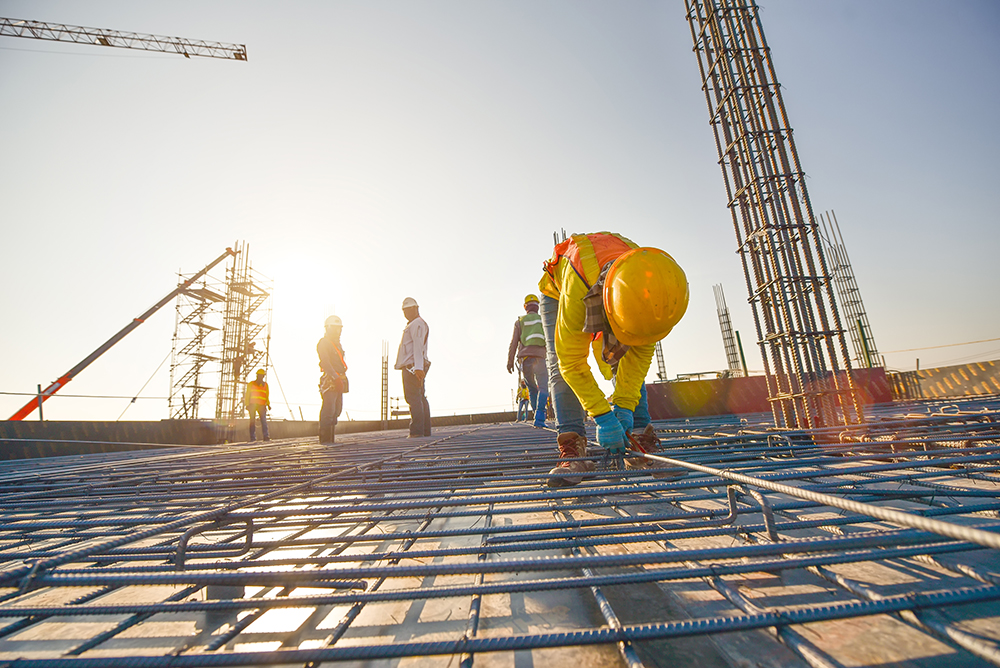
(257, 394)
(574, 268)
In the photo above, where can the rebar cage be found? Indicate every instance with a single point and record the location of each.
(733, 542)
(801, 338)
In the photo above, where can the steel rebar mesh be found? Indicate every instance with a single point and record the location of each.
(383, 547)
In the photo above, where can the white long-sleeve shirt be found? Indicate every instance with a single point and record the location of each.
(413, 346)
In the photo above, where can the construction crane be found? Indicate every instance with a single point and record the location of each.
(57, 32)
(58, 384)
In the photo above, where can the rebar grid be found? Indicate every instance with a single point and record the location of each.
(383, 547)
(799, 330)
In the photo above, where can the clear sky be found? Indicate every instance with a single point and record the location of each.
(371, 150)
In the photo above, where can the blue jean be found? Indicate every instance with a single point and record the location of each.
(522, 410)
(641, 413)
(570, 416)
(420, 411)
(535, 377)
(254, 411)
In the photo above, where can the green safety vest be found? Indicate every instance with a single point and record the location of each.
(531, 330)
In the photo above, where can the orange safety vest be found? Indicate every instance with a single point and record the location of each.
(257, 394)
(586, 254)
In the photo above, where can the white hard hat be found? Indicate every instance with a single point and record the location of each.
(334, 321)
(410, 302)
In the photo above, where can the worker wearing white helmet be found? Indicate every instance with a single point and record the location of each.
(602, 292)
(333, 382)
(412, 361)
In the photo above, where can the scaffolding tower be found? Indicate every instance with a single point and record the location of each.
(848, 294)
(199, 316)
(806, 360)
(728, 338)
(246, 332)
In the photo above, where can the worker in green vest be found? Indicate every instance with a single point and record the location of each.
(528, 345)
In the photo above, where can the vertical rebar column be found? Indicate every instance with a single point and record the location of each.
(806, 361)
(385, 384)
(728, 339)
(848, 293)
(661, 365)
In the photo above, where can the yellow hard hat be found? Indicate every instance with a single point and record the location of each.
(260, 372)
(645, 295)
(531, 298)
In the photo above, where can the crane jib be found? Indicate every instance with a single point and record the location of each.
(56, 385)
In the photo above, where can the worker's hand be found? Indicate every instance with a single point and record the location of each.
(510, 368)
(610, 434)
(625, 417)
(419, 373)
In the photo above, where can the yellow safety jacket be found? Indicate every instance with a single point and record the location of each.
(256, 394)
(575, 266)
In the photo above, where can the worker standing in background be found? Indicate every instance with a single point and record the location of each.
(523, 398)
(257, 401)
(412, 361)
(333, 382)
(528, 344)
(602, 291)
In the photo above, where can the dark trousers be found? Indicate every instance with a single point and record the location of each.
(420, 411)
(254, 411)
(333, 403)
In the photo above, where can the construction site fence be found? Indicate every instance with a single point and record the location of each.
(738, 396)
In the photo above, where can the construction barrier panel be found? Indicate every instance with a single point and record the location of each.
(736, 396)
(963, 380)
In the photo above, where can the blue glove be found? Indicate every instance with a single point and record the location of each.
(610, 434)
(626, 417)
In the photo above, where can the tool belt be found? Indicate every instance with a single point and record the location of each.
(427, 367)
(331, 384)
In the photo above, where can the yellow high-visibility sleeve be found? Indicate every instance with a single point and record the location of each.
(573, 344)
(632, 370)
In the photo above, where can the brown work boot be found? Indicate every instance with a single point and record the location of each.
(569, 473)
(650, 442)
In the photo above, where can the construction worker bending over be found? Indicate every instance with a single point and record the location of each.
(257, 402)
(528, 343)
(412, 360)
(333, 382)
(602, 291)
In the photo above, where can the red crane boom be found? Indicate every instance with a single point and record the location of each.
(58, 384)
